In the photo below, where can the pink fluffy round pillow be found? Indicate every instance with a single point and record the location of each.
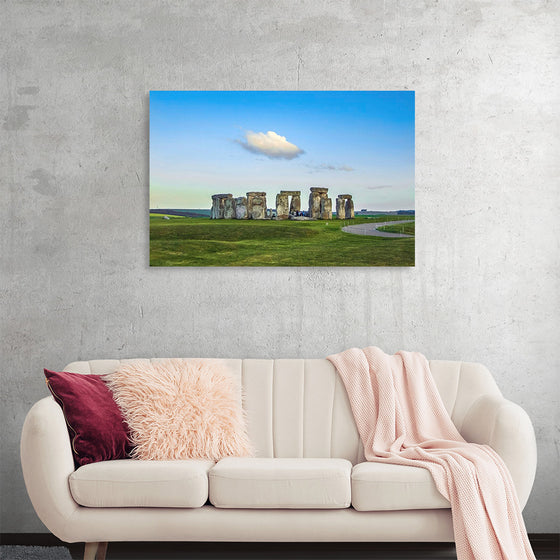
(181, 409)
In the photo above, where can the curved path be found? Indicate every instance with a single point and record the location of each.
(371, 229)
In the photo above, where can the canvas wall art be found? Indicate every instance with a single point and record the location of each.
(282, 178)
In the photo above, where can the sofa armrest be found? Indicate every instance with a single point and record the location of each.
(506, 427)
(47, 461)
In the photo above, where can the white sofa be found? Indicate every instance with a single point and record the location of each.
(309, 481)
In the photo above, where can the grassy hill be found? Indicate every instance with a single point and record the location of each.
(184, 241)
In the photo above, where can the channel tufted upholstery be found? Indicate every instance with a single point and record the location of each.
(299, 408)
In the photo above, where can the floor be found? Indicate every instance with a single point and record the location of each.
(294, 551)
(271, 551)
(546, 547)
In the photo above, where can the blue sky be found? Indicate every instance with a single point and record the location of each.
(352, 142)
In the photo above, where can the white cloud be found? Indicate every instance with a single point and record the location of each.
(328, 167)
(270, 144)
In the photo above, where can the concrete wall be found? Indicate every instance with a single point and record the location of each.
(74, 80)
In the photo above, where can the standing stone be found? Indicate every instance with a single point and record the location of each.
(319, 204)
(326, 208)
(229, 208)
(295, 203)
(314, 204)
(349, 208)
(282, 210)
(340, 208)
(215, 210)
(218, 206)
(256, 205)
(258, 209)
(317, 193)
(344, 207)
(241, 208)
(286, 207)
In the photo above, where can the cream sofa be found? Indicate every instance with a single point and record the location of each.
(309, 481)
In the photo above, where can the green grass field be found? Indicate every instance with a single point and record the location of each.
(407, 229)
(182, 241)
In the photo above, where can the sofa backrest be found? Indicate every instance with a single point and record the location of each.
(299, 407)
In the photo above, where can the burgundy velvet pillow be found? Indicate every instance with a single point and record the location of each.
(97, 429)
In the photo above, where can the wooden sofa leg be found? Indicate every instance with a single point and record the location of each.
(101, 550)
(90, 550)
(95, 551)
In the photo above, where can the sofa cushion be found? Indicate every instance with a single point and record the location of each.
(382, 486)
(95, 424)
(181, 409)
(136, 483)
(237, 482)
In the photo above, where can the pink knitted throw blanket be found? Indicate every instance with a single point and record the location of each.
(401, 420)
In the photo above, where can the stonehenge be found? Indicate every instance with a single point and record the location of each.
(225, 207)
(229, 208)
(241, 208)
(320, 206)
(326, 209)
(295, 203)
(349, 208)
(282, 209)
(218, 206)
(288, 205)
(344, 207)
(340, 208)
(256, 205)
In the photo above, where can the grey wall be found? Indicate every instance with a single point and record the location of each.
(75, 79)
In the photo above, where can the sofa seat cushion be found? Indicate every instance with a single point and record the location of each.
(136, 483)
(382, 487)
(280, 483)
